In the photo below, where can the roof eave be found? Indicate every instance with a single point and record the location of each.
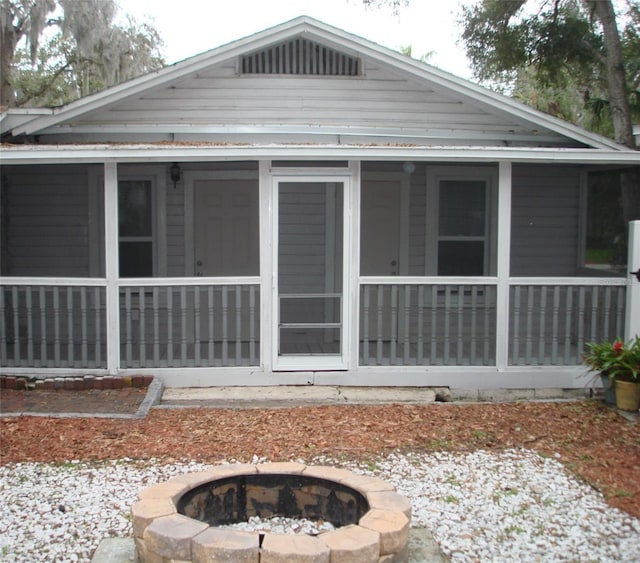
(192, 152)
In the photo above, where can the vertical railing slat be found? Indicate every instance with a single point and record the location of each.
(128, 328)
(70, 331)
(3, 327)
(225, 325)
(555, 325)
(568, 324)
(42, 300)
(433, 350)
(607, 314)
(529, 360)
(98, 324)
(238, 325)
(156, 325)
(447, 324)
(210, 308)
(197, 337)
(252, 325)
(474, 325)
(515, 329)
(394, 325)
(380, 325)
(169, 292)
(83, 325)
(142, 307)
(16, 326)
(29, 304)
(460, 325)
(407, 324)
(581, 320)
(365, 324)
(420, 350)
(183, 325)
(543, 325)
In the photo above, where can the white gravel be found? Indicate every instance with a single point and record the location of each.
(514, 506)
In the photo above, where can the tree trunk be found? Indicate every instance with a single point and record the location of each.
(619, 103)
(616, 80)
(7, 47)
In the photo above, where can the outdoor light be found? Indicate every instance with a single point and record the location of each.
(409, 167)
(175, 173)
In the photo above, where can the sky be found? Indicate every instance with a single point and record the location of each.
(190, 27)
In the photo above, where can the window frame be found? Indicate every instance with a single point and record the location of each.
(435, 176)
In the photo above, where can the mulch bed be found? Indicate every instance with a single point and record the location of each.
(595, 443)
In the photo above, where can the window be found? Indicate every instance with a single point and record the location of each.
(135, 224)
(462, 228)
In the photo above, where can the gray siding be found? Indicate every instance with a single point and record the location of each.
(215, 102)
(545, 216)
(45, 217)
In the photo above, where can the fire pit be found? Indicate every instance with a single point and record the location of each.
(181, 518)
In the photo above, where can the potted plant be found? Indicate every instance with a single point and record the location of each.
(619, 363)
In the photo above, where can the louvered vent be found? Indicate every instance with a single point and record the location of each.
(300, 56)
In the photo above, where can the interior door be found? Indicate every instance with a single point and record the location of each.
(310, 274)
(226, 228)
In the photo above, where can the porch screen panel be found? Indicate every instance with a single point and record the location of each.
(550, 324)
(50, 222)
(424, 324)
(190, 326)
(53, 326)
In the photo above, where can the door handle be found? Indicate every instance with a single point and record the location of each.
(636, 274)
(199, 263)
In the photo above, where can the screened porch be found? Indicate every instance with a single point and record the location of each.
(173, 270)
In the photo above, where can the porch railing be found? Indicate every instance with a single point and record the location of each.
(448, 323)
(417, 323)
(551, 320)
(180, 325)
(57, 324)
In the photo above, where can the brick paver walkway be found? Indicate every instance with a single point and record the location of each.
(60, 401)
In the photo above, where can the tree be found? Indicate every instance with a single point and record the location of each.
(554, 47)
(54, 51)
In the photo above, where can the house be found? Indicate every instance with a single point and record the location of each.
(305, 206)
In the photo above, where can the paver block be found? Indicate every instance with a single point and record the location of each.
(390, 500)
(366, 484)
(217, 544)
(392, 526)
(170, 536)
(285, 467)
(328, 473)
(195, 479)
(146, 511)
(353, 544)
(293, 549)
(167, 490)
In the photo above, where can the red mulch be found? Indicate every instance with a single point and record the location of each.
(594, 442)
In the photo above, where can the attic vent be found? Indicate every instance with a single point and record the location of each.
(300, 56)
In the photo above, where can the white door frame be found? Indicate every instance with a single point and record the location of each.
(347, 177)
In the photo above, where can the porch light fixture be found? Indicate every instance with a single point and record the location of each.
(175, 174)
(409, 167)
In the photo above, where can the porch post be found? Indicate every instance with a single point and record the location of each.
(632, 324)
(111, 265)
(503, 265)
(267, 283)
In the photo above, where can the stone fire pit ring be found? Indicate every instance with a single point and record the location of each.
(178, 520)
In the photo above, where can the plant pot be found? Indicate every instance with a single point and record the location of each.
(627, 395)
(609, 391)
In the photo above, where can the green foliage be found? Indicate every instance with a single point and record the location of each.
(616, 360)
(551, 55)
(84, 50)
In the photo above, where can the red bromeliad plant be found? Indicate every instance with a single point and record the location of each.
(616, 360)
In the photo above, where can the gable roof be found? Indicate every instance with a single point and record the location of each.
(333, 38)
